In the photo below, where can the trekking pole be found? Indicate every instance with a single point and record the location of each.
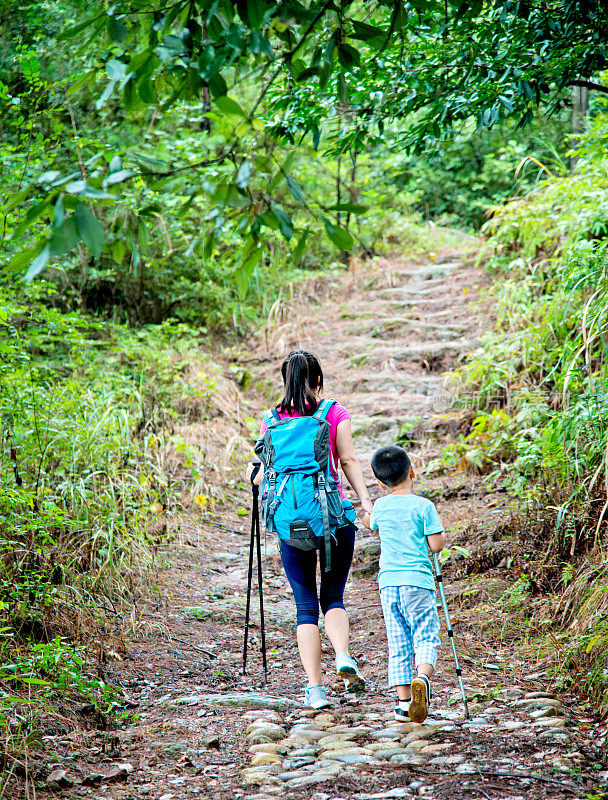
(255, 539)
(444, 603)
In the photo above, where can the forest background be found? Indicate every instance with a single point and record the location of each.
(168, 169)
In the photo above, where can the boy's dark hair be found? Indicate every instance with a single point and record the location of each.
(391, 465)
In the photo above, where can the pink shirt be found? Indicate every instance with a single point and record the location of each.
(335, 416)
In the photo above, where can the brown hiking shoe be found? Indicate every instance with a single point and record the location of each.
(421, 695)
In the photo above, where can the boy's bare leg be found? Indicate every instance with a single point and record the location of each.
(403, 692)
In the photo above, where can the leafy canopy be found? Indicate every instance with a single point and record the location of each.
(259, 72)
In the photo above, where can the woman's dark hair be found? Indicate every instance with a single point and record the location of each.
(303, 377)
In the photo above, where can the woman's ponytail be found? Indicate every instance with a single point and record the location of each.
(303, 378)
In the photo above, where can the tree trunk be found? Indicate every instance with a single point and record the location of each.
(580, 105)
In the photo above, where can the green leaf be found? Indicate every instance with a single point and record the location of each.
(89, 229)
(353, 208)
(18, 198)
(253, 255)
(131, 97)
(69, 33)
(367, 33)
(93, 193)
(143, 236)
(217, 85)
(33, 213)
(252, 12)
(49, 177)
(25, 256)
(83, 80)
(147, 91)
(135, 254)
(118, 251)
(117, 31)
(285, 223)
(299, 248)
(339, 236)
(229, 106)
(118, 177)
(58, 213)
(107, 93)
(65, 237)
(209, 247)
(75, 187)
(38, 264)
(302, 75)
(243, 175)
(253, 259)
(241, 279)
(117, 70)
(283, 171)
(115, 164)
(348, 56)
(294, 188)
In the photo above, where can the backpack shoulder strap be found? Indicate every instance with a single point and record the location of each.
(323, 409)
(271, 417)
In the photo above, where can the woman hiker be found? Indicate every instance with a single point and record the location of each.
(302, 442)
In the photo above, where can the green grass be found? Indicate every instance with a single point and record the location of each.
(545, 365)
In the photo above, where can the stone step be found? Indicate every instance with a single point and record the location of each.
(400, 382)
(392, 292)
(433, 270)
(436, 355)
(370, 426)
(382, 329)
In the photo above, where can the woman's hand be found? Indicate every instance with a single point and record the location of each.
(366, 520)
(260, 473)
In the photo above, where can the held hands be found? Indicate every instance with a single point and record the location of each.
(366, 512)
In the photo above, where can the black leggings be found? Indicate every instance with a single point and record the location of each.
(301, 570)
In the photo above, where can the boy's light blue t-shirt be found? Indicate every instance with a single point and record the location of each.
(404, 521)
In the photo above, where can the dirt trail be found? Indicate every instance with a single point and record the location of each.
(384, 336)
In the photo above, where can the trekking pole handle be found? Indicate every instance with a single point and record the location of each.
(256, 468)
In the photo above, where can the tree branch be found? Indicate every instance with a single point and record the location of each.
(304, 37)
(597, 87)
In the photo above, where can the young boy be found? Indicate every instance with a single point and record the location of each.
(407, 524)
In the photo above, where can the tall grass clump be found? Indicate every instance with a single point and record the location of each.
(91, 461)
(541, 382)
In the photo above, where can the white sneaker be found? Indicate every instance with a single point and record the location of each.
(315, 697)
(402, 710)
(347, 668)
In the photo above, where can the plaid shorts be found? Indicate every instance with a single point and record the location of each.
(412, 628)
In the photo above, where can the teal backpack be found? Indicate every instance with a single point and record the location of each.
(300, 499)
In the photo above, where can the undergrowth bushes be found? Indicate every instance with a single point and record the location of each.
(91, 457)
(541, 381)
